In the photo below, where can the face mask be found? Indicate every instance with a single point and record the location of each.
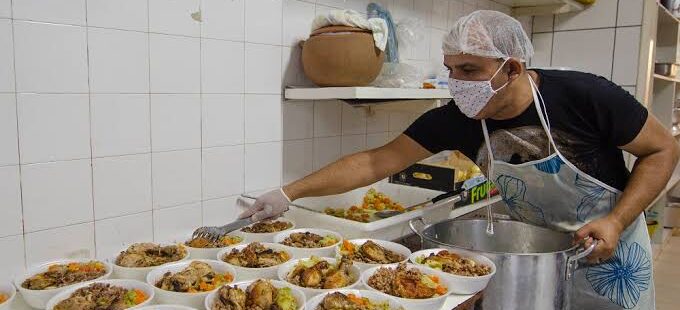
(472, 96)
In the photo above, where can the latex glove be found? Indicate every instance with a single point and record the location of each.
(607, 231)
(269, 205)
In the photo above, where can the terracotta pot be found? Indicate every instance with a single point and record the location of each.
(341, 56)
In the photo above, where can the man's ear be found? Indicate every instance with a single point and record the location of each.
(514, 68)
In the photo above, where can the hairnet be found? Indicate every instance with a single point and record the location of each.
(488, 34)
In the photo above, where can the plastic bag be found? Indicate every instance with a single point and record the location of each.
(410, 32)
(399, 75)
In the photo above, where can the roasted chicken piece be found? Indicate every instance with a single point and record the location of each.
(405, 282)
(322, 275)
(378, 254)
(60, 275)
(185, 280)
(261, 294)
(340, 277)
(230, 298)
(255, 255)
(336, 301)
(149, 255)
(97, 296)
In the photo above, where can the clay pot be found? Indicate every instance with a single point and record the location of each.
(341, 56)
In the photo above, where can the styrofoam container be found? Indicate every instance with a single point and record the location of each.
(206, 253)
(38, 298)
(297, 293)
(166, 307)
(376, 297)
(126, 284)
(139, 273)
(286, 268)
(245, 273)
(413, 304)
(391, 228)
(194, 300)
(461, 284)
(328, 251)
(263, 237)
(8, 290)
(392, 246)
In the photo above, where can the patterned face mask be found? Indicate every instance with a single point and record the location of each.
(472, 96)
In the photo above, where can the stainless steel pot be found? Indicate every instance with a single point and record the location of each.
(533, 264)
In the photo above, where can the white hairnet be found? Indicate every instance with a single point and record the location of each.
(488, 34)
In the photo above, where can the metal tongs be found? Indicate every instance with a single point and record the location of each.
(443, 199)
(215, 233)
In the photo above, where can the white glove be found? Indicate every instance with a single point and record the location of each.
(268, 205)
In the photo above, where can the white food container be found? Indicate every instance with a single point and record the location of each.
(194, 300)
(413, 304)
(245, 273)
(139, 273)
(205, 253)
(126, 284)
(8, 290)
(286, 268)
(263, 237)
(371, 295)
(328, 251)
(166, 307)
(38, 298)
(297, 293)
(390, 228)
(461, 284)
(392, 246)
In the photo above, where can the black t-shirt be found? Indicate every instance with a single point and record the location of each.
(590, 117)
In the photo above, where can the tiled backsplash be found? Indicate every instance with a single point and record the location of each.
(604, 39)
(131, 120)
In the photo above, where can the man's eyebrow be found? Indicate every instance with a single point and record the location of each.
(466, 64)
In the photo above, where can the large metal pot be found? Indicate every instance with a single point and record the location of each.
(534, 265)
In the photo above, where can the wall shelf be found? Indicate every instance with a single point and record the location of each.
(666, 78)
(543, 7)
(365, 93)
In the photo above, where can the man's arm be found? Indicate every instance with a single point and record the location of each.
(657, 152)
(359, 169)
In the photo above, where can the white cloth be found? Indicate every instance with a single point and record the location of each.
(352, 18)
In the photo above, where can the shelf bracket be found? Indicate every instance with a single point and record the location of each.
(566, 6)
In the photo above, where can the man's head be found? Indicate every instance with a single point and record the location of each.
(486, 46)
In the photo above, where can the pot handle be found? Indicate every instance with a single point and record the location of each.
(572, 261)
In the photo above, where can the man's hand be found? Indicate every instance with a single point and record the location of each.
(269, 205)
(607, 231)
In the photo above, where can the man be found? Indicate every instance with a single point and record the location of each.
(554, 142)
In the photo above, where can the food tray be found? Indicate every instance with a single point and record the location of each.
(387, 229)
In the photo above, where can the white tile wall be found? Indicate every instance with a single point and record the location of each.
(76, 241)
(116, 234)
(9, 154)
(175, 64)
(138, 122)
(176, 178)
(118, 61)
(222, 68)
(50, 58)
(176, 224)
(223, 120)
(6, 56)
(56, 194)
(69, 12)
(174, 17)
(120, 124)
(121, 185)
(53, 127)
(223, 19)
(569, 48)
(175, 122)
(223, 171)
(10, 197)
(120, 14)
(604, 40)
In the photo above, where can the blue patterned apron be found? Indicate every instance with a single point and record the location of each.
(553, 193)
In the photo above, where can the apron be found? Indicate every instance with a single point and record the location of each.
(552, 192)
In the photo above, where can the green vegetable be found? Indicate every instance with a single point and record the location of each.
(285, 299)
(425, 280)
(310, 262)
(329, 240)
(430, 263)
(130, 297)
